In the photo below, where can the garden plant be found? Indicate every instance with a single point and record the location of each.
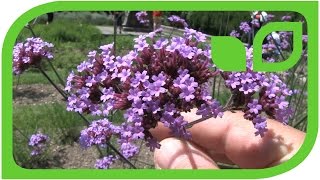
(118, 98)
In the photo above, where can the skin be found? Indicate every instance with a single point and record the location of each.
(230, 139)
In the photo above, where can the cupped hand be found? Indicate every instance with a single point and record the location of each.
(230, 139)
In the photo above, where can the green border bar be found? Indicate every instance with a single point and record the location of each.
(9, 168)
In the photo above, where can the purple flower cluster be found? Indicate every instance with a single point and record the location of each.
(177, 21)
(270, 17)
(234, 33)
(98, 133)
(105, 162)
(245, 27)
(255, 23)
(30, 53)
(153, 83)
(142, 17)
(272, 93)
(38, 143)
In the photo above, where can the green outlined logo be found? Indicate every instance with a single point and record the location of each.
(221, 46)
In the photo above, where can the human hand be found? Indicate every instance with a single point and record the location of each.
(230, 140)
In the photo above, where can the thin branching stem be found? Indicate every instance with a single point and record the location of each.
(219, 83)
(189, 125)
(65, 98)
(290, 80)
(300, 98)
(122, 157)
(17, 129)
(52, 83)
(51, 65)
(55, 71)
(214, 84)
(301, 120)
(28, 26)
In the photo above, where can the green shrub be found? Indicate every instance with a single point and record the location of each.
(94, 18)
(60, 31)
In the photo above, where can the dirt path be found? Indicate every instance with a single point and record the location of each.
(35, 94)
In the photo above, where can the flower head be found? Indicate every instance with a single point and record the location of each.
(156, 84)
(30, 53)
(177, 21)
(38, 143)
(142, 17)
(105, 162)
(245, 27)
(98, 133)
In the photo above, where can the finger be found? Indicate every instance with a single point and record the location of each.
(162, 132)
(234, 136)
(181, 154)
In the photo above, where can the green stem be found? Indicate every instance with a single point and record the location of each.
(300, 121)
(56, 73)
(299, 99)
(17, 129)
(122, 157)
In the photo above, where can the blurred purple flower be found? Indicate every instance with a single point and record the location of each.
(105, 162)
(177, 21)
(234, 33)
(142, 17)
(286, 18)
(38, 142)
(245, 27)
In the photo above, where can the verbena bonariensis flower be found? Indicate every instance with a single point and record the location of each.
(153, 83)
(30, 53)
(234, 33)
(142, 17)
(177, 21)
(255, 23)
(270, 17)
(271, 91)
(98, 133)
(245, 27)
(105, 162)
(38, 142)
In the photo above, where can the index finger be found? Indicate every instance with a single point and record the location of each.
(234, 136)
